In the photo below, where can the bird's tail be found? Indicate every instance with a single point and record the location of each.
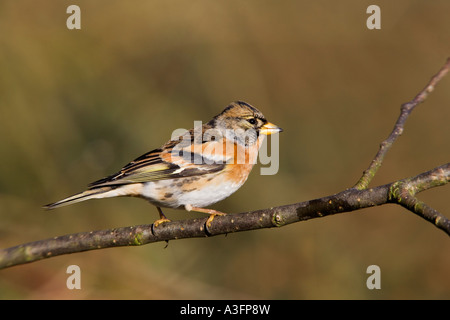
(95, 193)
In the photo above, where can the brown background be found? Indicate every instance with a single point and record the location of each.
(76, 105)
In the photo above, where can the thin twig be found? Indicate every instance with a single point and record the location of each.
(406, 110)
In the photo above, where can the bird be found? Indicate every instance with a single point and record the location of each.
(192, 171)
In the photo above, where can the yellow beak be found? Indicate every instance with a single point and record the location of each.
(270, 128)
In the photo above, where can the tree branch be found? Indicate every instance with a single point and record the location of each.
(345, 201)
(402, 192)
(405, 111)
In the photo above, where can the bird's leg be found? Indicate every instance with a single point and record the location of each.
(212, 213)
(162, 218)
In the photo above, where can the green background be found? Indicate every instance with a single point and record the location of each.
(76, 105)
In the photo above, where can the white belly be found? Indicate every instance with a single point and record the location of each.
(166, 193)
(207, 196)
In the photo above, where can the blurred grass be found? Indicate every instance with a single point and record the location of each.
(77, 105)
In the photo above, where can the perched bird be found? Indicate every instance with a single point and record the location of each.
(201, 167)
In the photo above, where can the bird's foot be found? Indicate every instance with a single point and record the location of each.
(212, 213)
(160, 221)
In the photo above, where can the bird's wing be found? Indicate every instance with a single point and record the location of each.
(167, 162)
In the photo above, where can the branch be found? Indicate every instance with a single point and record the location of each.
(406, 110)
(345, 201)
(402, 192)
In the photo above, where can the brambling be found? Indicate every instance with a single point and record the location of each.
(199, 168)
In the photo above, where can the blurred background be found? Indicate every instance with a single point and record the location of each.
(77, 105)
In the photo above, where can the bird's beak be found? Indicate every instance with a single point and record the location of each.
(270, 128)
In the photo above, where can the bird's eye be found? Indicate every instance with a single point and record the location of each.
(252, 121)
